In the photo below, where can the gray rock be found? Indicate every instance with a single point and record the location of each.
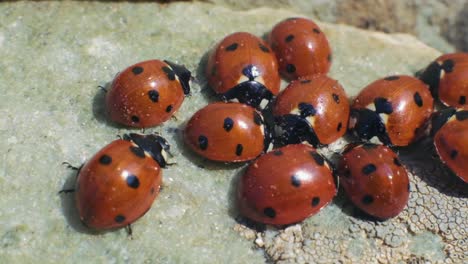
(53, 57)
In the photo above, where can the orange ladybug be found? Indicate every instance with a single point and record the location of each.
(447, 77)
(394, 109)
(301, 48)
(243, 69)
(228, 132)
(120, 182)
(148, 93)
(286, 185)
(313, 109)
(450, 131)
(374, 179)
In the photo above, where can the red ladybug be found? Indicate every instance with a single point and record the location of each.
(286, 186)
(374, 180)
(242, 68)
(394, 109)
(148, 93)
(301, 48)
(228, 132)
(313, 109)
(120, 182)
(450, 130)
(447, 77)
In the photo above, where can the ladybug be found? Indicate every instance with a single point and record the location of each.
(447, 77)
(450, 131)
(148, 93)
(228, 132)
(286, 185)
(243, 69)
(120, 182)
(313, 109)
(301, 48)
(374, 179)
(394, 109)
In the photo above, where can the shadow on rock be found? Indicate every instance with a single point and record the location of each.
(422, 161)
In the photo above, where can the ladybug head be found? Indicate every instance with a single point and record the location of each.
(183, 74)
(366, 124)
(439, 119)
(156, 146)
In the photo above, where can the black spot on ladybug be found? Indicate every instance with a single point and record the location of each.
(169, 108)
(135, 119)
(105, 159)
(239, 149)
(137, 151)
(461, 115)
(396, 162)
(318, 158)
(338, 128)
(153, 96)
(257, 118)
(462, 100)
(119, 219)
(368, 169)
(369, 146)
(453, 154)
(289, 38)
(448, 65)
(305, 81)
(169, 72)
(132, 181)
(367, 199)
(315, 201)
(232, 47)
(417, 99)
(336, 98)
(382, 105)
(263, 48)
(278, 152)
(270, 212)
(137, 70)
(203, 142)
(228, 124)
(295, 181)
(329, 57)
(291, 68)
(391, 78)
(306, 109)
(316, 30)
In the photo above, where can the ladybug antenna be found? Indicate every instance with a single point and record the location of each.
(103, 88)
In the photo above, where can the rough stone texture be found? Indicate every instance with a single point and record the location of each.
(442, 24)
(53, 57)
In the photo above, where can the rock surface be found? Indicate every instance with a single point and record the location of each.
(53, 57)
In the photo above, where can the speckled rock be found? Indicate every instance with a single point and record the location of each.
(54, 55)
(439, 23)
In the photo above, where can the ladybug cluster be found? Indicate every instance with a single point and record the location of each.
(279, 132)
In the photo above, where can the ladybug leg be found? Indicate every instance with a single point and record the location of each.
(129, 230)
(77, 169)
(69, 166)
